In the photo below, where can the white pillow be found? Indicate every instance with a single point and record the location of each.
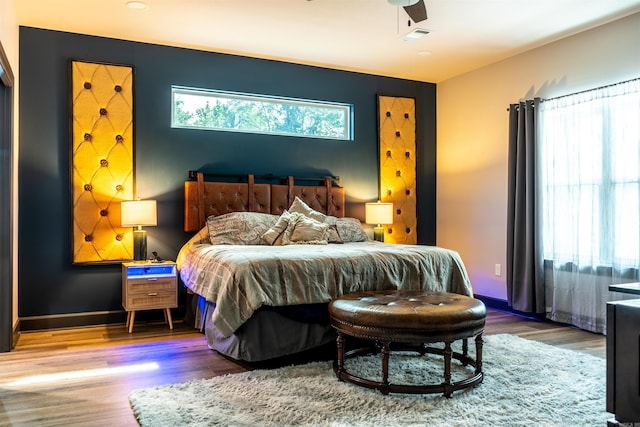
(272, 234)
(304, 230)
(298, 206)
(301, 207)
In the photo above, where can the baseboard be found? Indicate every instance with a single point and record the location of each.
(502, 305)
(494, 303)
(74, 320)
(96, 318)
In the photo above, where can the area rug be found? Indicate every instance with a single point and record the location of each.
(526, 383)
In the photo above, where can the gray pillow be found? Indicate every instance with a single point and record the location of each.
(239, 228)
(350, 230)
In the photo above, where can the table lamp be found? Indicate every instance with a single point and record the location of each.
(378, 213)
(138, 213)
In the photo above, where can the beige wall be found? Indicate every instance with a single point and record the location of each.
(473, 131)
(9, 31)
(9, 40)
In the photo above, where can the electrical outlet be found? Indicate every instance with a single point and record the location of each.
(497, 270)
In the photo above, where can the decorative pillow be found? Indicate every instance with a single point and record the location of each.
(298, 206)
(304, 230)
(271, 235)
(333, 236)
(350, 230)
(239, 228)
(301, 207)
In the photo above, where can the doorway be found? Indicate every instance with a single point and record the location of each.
(6, 205)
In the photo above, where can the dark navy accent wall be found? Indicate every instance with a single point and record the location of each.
(49, 283)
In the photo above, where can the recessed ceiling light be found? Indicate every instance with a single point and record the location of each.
(137, 5)
(424, 53)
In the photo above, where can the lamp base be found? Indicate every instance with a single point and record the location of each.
(139, 245)
(378, 234)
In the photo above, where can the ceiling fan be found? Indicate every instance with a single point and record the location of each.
(416, 9)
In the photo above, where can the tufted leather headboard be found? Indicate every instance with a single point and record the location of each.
(204, 198)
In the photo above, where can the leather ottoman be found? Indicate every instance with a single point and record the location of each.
(409, 320)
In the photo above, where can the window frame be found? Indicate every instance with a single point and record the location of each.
(346, 109)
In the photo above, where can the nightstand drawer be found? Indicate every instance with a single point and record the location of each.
(151, 300)
(144, 286)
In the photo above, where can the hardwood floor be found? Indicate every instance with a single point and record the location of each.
(82, 377)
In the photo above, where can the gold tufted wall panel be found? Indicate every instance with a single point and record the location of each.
(397, 133)
(101, 159)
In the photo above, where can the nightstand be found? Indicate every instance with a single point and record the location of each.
(149, 286)
(623, 355)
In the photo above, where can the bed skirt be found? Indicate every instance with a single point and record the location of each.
(270, 333)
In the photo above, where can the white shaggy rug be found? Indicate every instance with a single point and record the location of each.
(526, 384)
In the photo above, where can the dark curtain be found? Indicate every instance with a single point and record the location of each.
(525, 279)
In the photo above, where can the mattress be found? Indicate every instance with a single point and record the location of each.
(240, 279)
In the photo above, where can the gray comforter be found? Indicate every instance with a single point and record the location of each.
(241, 279)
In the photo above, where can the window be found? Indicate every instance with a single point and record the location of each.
(590, 177)
(242, 112)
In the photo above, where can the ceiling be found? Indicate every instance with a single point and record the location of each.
(355, 35)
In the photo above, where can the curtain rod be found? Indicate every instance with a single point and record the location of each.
(590, 90)
(586, 90)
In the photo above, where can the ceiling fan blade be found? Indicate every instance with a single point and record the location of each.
(417, 12)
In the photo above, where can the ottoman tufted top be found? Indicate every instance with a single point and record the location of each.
(408, 310)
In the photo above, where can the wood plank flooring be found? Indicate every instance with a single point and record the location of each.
(82, 377)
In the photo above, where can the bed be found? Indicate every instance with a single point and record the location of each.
(267, 258)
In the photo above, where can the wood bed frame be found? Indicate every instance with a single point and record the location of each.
(271, 194)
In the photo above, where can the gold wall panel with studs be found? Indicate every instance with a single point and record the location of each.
(397, 135)
(101, 160)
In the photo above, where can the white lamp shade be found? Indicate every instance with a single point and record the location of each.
(135, 213)
(378, 213)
